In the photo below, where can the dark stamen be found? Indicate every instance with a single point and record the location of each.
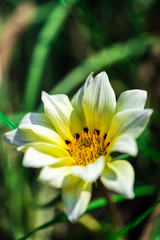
(67, 142)
(108, 144)
(97, 131)
(105, 135)
(77, 135)
(85, 130)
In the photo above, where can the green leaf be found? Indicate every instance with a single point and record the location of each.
(139, 191)
(46, 38)
(8, 122)
(134, 223)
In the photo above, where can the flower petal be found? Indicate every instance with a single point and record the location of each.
(47, 148)
(90, 172)
(39, 119)
(135, 99)
(57, 177)
(125, 144)
(76, 199)
(19, 137)
(131, 122)
(77, 99)
(99, 104)
(118, 176)
(34, 127)
(37, 157)
(61, 113)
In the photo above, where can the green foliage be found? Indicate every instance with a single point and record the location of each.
(133, 224)
(140, 191)
(45, 40)
(55, 51)
(104, 58)
(58, 219)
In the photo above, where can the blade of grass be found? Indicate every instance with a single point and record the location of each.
(134, 223)
(101, 202)
(6, 121)
(104, 58)
(46, 38)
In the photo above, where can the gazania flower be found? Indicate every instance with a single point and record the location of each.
(72, 141)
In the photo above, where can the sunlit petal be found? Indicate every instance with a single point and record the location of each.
(135, 99)
(77, 99)
(47, 148)
(125, 144)
(19, 137)
(99, 104)
(129, 122)
(61, 113)
(34, 127)
(35, 119)
(36, 158)
(118, 176)
(90, 172)
(76, 199)
(55, 176)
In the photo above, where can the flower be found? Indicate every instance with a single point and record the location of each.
(72, 141)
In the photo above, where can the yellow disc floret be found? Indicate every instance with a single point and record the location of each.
(86, 148)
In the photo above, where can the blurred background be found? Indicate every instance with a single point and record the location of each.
(53, 46)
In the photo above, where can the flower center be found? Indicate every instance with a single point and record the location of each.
(87, 147)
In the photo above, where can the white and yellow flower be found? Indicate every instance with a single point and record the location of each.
(72, 141)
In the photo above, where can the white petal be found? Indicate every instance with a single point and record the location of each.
(57, 176)
(10, 137)
(135, 99)
(61, 113)
(47, 148)
(41, 127)
(90, 172)
(129, 122)
(99, 104)
(39, 158)
(118, 176)
(76, 199)
(34, 127)
(39, 119)
(125, 144)
(19, 137)
(77, 99)
(34, 158)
